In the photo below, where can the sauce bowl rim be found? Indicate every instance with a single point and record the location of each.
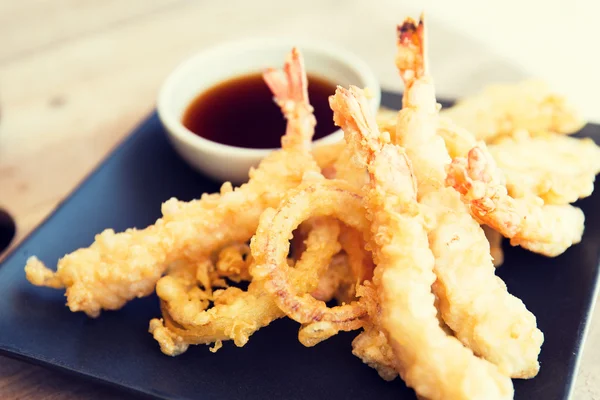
(174, 124)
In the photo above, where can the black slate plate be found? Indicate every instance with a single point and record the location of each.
(127, 189)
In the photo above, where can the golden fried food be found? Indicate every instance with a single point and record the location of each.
(118, 267)
(236, 314)
(270, 245)
(501, 109)
(401, 224)
(326, 156)
(524, 184)
(234, 262)
(435, 365)
(558, 169)
(337, 282)
(471, 298)
(371, 345)
(527, 221)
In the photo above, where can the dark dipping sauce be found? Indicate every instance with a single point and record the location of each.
(241, 112)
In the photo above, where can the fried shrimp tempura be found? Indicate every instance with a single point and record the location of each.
(558, 169)
(551, 173)
(527, 222)
(501, 109)
(400, 226)
(511, 204)
(435, 365)
(473, 301)
(119, 267)
(236, 314)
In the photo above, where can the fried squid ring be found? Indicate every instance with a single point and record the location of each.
(237, 314)
(119, 267)
(270, 245)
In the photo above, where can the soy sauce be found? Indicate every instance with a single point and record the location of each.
(241, 112)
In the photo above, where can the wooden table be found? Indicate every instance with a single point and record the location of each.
(77, 75)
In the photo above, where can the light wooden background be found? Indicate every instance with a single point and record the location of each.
(77, 75)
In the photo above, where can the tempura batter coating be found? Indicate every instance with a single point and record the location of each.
(436, 365)
(501, 109)
(526, 221)
(371, 345)
(270, 246)
(118, 267)
(470, 294)
(236, 314)
(558, 169)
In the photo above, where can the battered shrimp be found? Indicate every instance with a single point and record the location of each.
(527, 222)
(417, 123)
(537, 177)
(435, 365)
(502, 109)
(473, 301)
(534, 174)
(118, 267)
(557, 168)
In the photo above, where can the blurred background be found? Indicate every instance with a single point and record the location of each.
(77, 75)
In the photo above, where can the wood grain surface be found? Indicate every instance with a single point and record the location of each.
(77, 75)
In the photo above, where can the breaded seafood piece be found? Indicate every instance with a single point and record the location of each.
(559, 169)
(473, 301)
(119, 267)
(434, 364)
(501, 109)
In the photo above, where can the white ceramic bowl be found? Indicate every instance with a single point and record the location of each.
(217, 64)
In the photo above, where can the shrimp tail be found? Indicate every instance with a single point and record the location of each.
(542, 228)
(410, 59)
(290, 90)
(475, 180)
(387, 164)
(289, 85)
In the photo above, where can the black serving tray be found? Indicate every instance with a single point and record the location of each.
(127, 189)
